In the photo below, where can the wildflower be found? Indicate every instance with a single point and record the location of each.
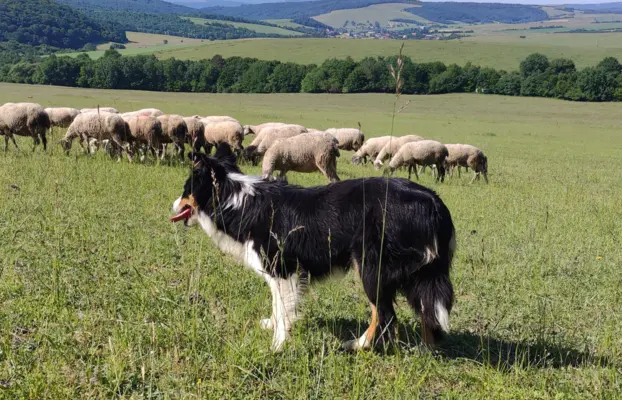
(599, 258)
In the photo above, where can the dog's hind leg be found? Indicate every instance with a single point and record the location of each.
(430, 294)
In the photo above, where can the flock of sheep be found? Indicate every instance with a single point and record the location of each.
(283, 147)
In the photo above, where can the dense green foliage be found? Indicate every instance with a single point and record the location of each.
(474, 13)
(174, 25)
(310, 22)
(150, 6)
(295, 9)
(44, 22)
(538, 76)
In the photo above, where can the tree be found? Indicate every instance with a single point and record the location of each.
(488, 78)
(561, 66)
(610, 65)
(287, 78)
(255, 79)
(596, 84)
(509, 84)
(535, 63)
(453, 80)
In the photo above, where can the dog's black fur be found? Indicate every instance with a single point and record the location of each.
(317, 229)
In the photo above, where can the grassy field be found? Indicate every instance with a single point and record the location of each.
(494, 51)
(103, 297)
(139, 40)
(253, 27)
(383, 13)
(286, 23)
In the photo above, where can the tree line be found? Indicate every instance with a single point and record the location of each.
(536, 76)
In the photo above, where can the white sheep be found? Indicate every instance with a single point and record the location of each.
(256, 129)
(465, 155)
(259, 133)
(213, 119)
(422, 152)
(151, 112)
(306, 152)
(225, 131)
(370, 148)
(174, 130)
(268, 136)
(110, 110)
(62, 117)
(24, 119)
(392, 146)
(99, 126)
(350, 139)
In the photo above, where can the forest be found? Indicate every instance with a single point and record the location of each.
(536, 76)
(478, 13)
(44, 22)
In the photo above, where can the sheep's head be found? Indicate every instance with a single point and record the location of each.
(204, 187)
(65, 144)
(378, 164)
(250, 154)
(357, 159)
(248, 130)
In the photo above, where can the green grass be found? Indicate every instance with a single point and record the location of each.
(286, 23)
(253, 27)
(383, 13)
(103, 297)
(501, 52)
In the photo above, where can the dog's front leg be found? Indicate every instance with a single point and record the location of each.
(285, 299)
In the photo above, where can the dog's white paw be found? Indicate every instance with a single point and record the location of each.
(351, 345)
(266, 324)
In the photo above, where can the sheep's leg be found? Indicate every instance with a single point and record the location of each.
(475, 176)
(44, 140)
(36, 142)
(410, 170)
(415, 170)
(485, 177)
(6, 143)
(459, 168)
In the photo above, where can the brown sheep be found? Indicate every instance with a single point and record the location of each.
(147, 131)
(464, 155)
(174, 131)
(196, 134)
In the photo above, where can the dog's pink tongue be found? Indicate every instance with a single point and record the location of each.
(184, 215)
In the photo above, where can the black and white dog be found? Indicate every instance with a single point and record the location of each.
(398, 238)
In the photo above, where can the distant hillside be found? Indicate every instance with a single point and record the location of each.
(145, 6)
(44, 22)
(602, 8)
(478, 13)
(292, 10)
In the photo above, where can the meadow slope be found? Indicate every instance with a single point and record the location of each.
(103, 297)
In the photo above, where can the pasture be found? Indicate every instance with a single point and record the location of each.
(103, 297)
(253, 27)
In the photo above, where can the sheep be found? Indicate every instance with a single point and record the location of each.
(349, 138)
(256, 129)
(392, 146)
(62, 117)
(152, 112)
(24, 119)
(174, 130)
(370, 148)
(225, 131)
(216, 118)
(267, 138)
(422, 152)
(306, 152)
(259, 134)
(196, 134)
(110, 110)
(147, 132)
(102, 126)
(464, 155)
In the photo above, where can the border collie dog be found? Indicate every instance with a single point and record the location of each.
(396, 234)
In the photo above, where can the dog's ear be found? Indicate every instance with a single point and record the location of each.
(198, 159)
(226, 158)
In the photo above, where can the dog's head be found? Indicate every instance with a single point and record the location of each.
(208, 177)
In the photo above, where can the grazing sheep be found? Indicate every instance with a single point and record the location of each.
(174, 130)
(306, 152)
(110, 110)
(24, 119)
(464, 155)
(62, 117)
(101, 127)
(422, 152)
(392, 146)
(350, 139)
(147, 132)
(256, 129)
(216, 118)
(259, 134)
(268, 136)
(370, 148)
(229, 132)
(151, 112)
(196, 134)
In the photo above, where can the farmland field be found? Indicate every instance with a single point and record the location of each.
(103, 297)
(253, 27)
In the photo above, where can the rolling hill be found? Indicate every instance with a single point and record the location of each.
(144, 6)
(44, 22)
